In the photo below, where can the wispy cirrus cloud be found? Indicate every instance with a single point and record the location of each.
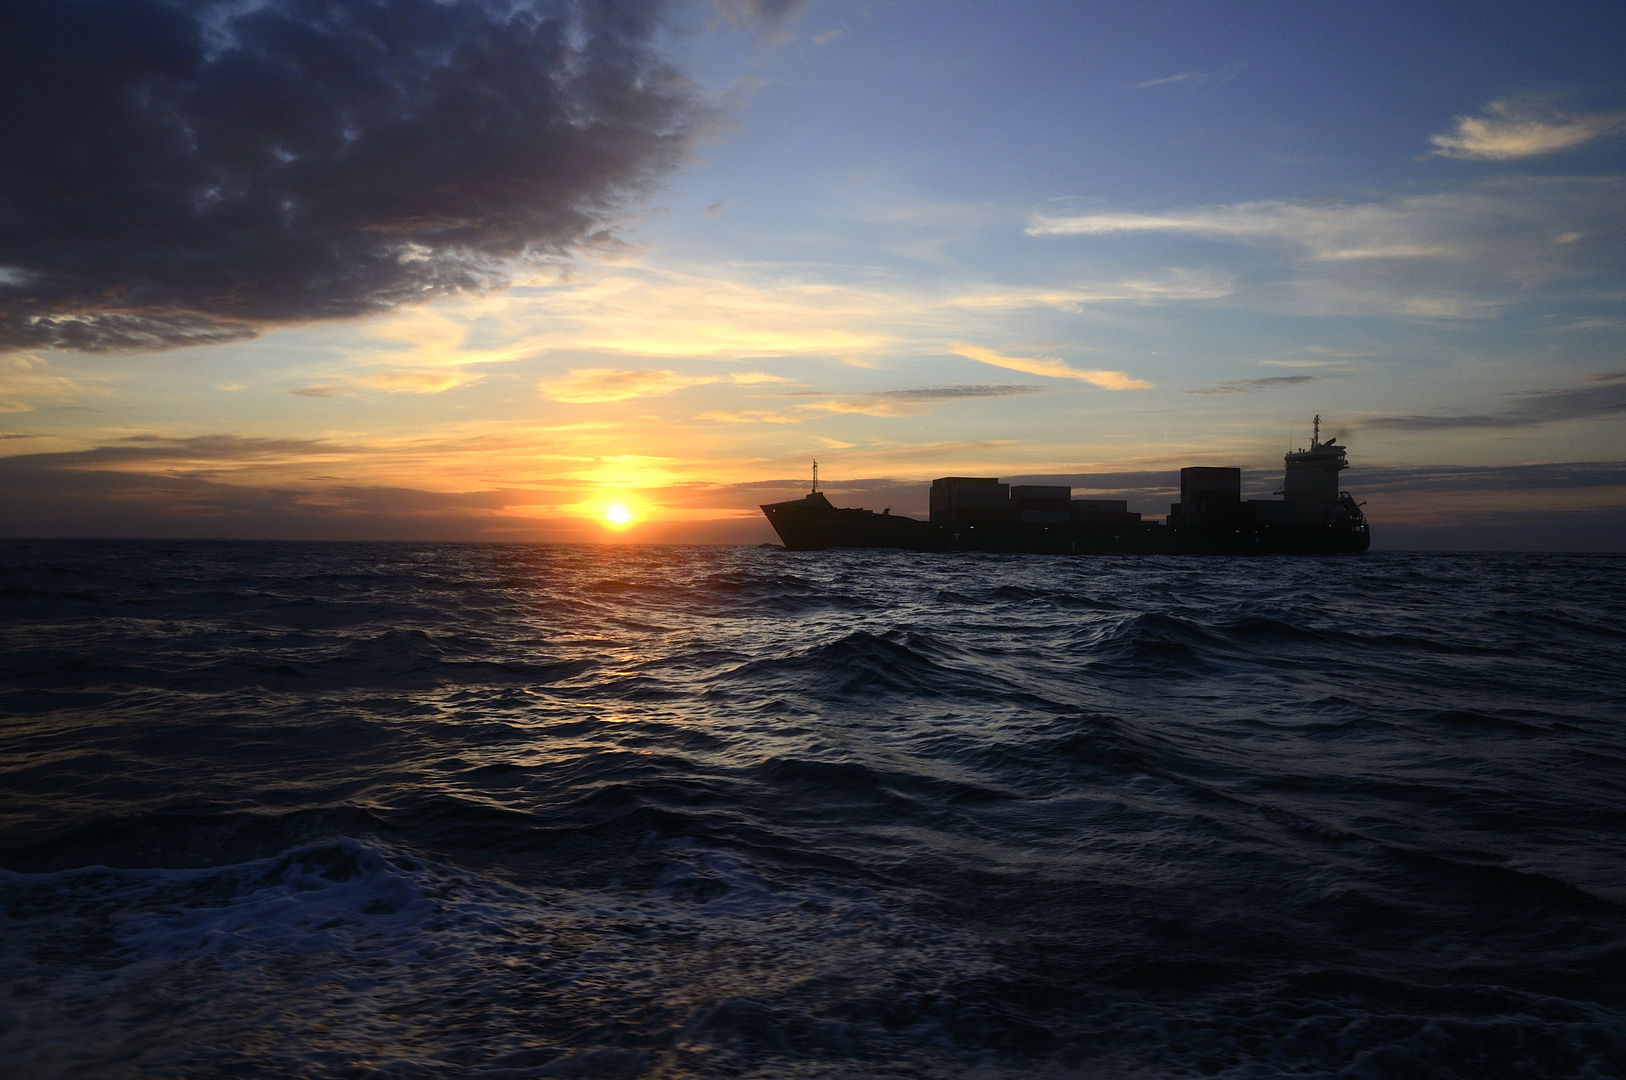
(684, 312)
(1171, 285)
(581, 386)
(1254, 386)
(1168, 80)
(1466, 251)
(584, 386)
(1332, 231)
(27, 381)
(637, 315)
(1051, 368)
(413, 380)
(431, 380)
(1458, 223)
(910, 401)
(1588, 323)
(1515, 128)
(751, 416)
(957, 392)
(866, 405)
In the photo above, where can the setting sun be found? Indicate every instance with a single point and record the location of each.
(617, 515)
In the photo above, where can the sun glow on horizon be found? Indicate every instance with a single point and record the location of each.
(617, 515)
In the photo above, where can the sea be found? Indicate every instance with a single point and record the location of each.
(464, 810)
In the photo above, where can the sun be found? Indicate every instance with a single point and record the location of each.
(616, 514)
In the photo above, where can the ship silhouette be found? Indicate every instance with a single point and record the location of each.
(979, 513)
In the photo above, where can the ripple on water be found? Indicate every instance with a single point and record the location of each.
(411, 810)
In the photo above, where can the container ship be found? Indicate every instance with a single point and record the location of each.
(979, 513)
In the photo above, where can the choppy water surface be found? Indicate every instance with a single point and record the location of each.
(354, 810)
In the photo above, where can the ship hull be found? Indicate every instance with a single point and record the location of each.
(813, 524)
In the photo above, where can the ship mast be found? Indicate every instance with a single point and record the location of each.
(1315, 439)
(816, 474)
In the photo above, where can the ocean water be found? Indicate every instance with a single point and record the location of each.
(273, 810)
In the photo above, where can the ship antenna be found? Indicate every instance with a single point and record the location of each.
(1315, 440)
(815, 477)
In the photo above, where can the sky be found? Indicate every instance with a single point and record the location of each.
(475, 270)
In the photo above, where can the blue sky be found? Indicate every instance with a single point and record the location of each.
(1072, 240)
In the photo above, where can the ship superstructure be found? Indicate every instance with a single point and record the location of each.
(1311, 484)
(981, 513)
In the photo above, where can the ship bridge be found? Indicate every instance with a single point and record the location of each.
(1311, 483)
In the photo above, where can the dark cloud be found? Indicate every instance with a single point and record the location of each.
(175, 172)
(1440, 479)
(222, 448)
(1606, 394)
(1253, 386)
(764, 14)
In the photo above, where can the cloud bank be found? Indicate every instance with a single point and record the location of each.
(176, 172)
(1604, 394)
(223, 485)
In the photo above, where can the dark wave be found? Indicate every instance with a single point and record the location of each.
(500, 811)
(864, 665)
